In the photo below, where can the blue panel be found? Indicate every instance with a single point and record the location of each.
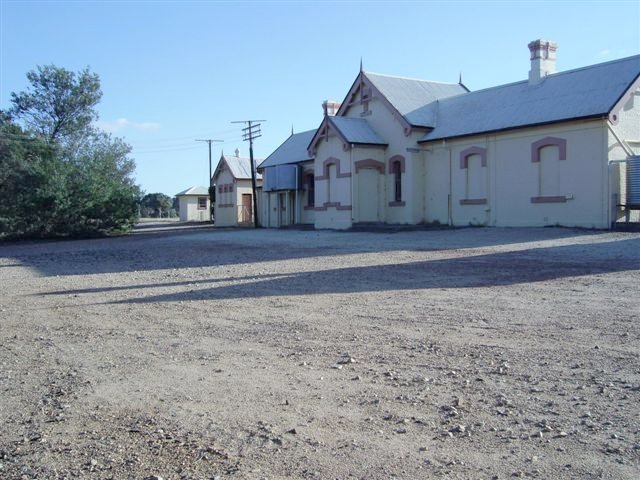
(280, 177)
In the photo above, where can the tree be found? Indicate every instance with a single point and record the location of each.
(59, 175)
(60, 103)
(156, 204)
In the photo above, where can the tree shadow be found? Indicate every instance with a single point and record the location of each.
(211, 248)
(487, 270)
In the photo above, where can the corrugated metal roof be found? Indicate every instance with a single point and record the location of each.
(412, 98)
(356, 130)
(241, 167)
(293, 150)
(586, 92)
(194, 191)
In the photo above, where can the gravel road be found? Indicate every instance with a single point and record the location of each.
(240, 354)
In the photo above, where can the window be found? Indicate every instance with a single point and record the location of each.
(311, 191)
(397, 175)
(549, 154)
(202, 203)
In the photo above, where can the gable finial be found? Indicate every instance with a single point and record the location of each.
(460, 79)
(361, 65)
(292, 129)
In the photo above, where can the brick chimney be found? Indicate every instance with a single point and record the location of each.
(543, 60)
(330, 107)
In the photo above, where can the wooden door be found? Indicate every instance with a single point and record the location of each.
(246, 214)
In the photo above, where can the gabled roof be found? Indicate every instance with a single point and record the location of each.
(410, 96)
(198, 191)
(293, 150)
(352, 131)
(588, 92)
(240, 167)
(356, 131)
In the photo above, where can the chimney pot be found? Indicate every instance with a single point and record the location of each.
(543, 60)
(330, 107)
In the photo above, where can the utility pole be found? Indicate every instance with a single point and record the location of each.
(249, 133)
(211, 189)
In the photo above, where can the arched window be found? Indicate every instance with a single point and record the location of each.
(397, 181)
(549, 154)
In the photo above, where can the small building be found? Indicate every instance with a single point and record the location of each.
(234, 194)
(288, 184)
(194, 205)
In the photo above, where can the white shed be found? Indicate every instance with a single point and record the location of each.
(193, 204)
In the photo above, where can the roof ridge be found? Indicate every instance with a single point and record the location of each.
(400, 77)
(551, 75)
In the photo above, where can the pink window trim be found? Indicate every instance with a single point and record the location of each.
(473, 201)
(394, 159)
(561, 143)
(465, 154)
(396, 204)
(369, 163)
(549, 199)
(325, 169)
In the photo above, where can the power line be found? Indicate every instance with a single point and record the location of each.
(211, 190)
(251, 132)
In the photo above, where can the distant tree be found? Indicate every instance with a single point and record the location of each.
(60, 176)
(156, 204)
(60, 103)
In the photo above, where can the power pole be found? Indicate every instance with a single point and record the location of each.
(211, 190)
(249, 133)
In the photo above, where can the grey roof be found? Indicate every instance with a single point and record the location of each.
(356, 130)
(583, 93)
(414, 98)
(293, 150)
(199, 191)
(241, 166)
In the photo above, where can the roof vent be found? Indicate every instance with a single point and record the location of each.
(543, 60)
(237, 152)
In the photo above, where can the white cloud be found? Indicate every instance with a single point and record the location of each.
(604, 53)
(120, 124)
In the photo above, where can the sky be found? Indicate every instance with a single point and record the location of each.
(172, 72)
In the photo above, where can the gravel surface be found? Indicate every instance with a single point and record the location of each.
(215, 354)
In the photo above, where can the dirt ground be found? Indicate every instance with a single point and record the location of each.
(217, 354)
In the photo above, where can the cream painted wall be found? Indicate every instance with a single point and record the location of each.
(513, 179)
(189, 211)
(228, 204)
(332, 190)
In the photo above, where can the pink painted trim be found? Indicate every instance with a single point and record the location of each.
(363, 81)
(549, 199)
(466, 153)
(369, 163)
(396, 204)
(473, 201)
(561, 143)
(325, 169)
(336, 205)
(394, 159)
